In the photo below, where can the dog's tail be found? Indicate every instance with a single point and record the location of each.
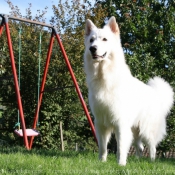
(164, 91)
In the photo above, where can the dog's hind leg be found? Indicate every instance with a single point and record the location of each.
(152, 150)
(103, 136)
(139, 147)
(137, 141)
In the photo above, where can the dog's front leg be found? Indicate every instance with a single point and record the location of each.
(103, 135)
(124, 140)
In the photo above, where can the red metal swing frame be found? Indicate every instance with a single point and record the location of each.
(4, 22)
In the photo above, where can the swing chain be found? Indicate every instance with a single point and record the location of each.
(39, 67)
(17, 125)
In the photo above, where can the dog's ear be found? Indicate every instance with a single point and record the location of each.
(88, 27)
(113, 25)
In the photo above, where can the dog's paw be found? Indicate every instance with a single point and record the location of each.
(102, 158)
(122, 162)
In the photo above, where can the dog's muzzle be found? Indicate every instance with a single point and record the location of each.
(93, 50)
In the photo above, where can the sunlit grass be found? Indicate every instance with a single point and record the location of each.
(20, 161)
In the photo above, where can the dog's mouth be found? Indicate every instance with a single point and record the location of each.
(95, 56)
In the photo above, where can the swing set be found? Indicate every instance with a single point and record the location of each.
(31, 133)
(18, 131)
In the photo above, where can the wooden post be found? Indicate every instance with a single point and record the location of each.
(76, 146)
(61, 137)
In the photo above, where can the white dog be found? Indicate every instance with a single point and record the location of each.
(121, 103)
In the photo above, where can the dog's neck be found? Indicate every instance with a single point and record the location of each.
(112, 66)
(105, 73)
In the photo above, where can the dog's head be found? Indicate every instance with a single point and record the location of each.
(99, 43)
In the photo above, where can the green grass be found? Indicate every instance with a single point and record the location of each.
(18, 161)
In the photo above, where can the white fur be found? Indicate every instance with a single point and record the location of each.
(121, 103)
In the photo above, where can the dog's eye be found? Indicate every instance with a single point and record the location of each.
(104, 39)
(91, 40)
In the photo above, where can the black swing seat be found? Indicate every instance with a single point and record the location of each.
(29, 132)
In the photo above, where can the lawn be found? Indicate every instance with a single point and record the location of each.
(19, 161)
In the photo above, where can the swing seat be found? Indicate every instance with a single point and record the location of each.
(29, 132)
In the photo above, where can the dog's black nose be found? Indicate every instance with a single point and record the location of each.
(93, 49)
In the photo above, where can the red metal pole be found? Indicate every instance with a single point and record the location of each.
(2, 25)
(76, 86)
(42, 86)
(16, 84)
(1, 29)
